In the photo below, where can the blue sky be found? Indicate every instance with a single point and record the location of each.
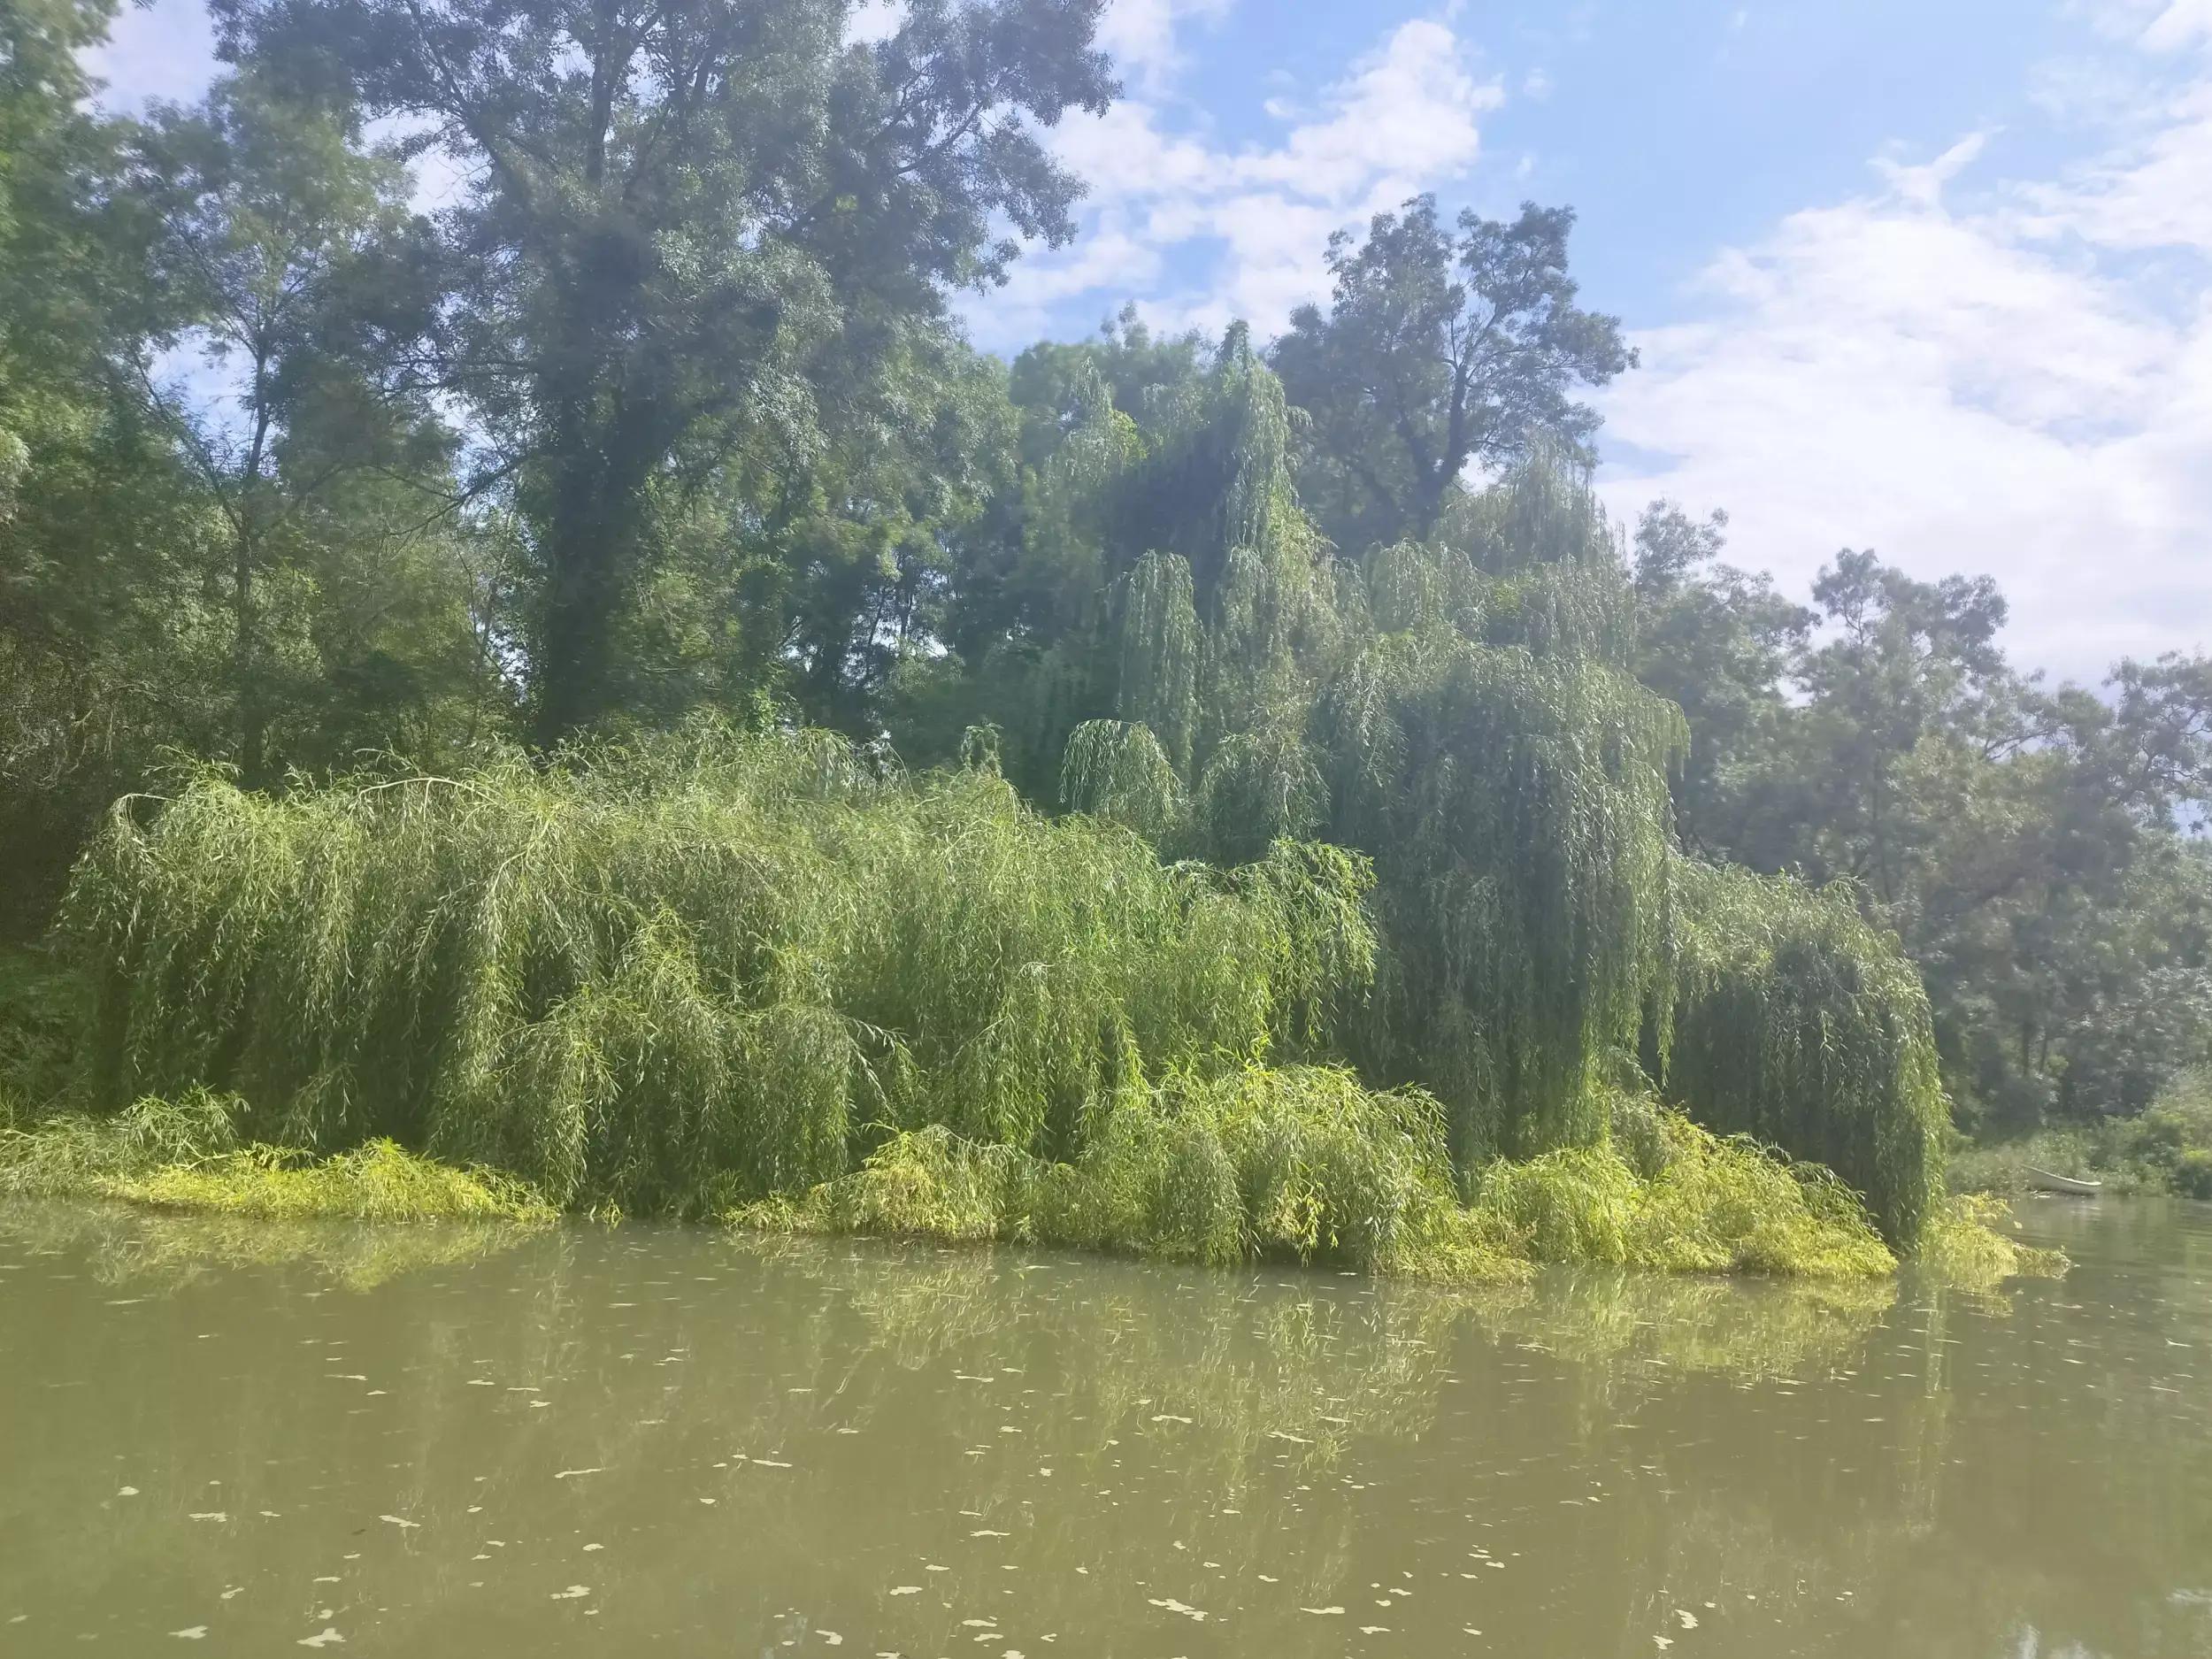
(1931, 277)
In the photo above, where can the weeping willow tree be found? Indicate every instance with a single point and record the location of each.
(1488, 748)
(1796, 1021)
(1117, 771)
(672, 979)
(1462, 712)
(1190, 597)
(1154, 613)
(1543, 938)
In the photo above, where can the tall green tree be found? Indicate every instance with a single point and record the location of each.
(1443, 347)
(2027, 845)
(107, 647)
(810, 575)
(65, 269)
(1717, 641)
(1005, 567)
(666, 212)
(1050, 379)
(267, 213)
(221, 540)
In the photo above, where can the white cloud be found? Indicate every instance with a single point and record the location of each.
(1404, 119)
(2154, 192)
(1409, 109)
(1141, 35)
(1923, 186)
(2018, 386)
(2181, 23)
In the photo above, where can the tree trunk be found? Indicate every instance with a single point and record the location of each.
(253, 714)
(253, 703)
(591, 552)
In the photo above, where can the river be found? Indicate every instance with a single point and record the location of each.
(227, 1438)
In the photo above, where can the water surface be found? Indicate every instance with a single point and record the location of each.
(222, 1439)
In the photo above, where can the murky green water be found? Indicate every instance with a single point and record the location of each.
(586, 1442)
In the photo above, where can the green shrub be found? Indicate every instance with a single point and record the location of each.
(1968, 1244)
(184, 1154)
(2165, 1151)
(1303, 1163)
(1300, 1163)
(1705, 1205)
(376, 1182)
(73, 1155)
(2193, 1173)
(42, 1006)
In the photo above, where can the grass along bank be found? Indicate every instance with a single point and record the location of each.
(186, 1155)
(1305, 1165)
(1300, 1164)
(2166, 1150)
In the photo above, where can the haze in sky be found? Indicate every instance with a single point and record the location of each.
(1930, 278)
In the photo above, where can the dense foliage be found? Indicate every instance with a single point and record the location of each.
(1796, 1022)
(186, 1155)
(832, 754)
(2036, 850)
(671, 980)
(2168, 1149)
(776, 978)
(1301, 1162)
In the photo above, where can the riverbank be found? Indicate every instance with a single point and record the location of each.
(1274, 1165)
(2166, 1151)
(186, 1155)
